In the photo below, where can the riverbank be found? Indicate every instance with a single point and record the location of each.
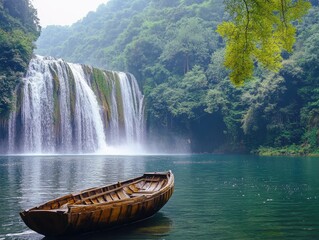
(292, 150)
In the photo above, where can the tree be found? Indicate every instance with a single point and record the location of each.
(183, 97)
(190, 44)
(19, 28)
(259, 31)
(24, 14)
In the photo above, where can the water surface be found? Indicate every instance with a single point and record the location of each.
(216, 196)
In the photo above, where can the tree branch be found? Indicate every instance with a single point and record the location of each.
(247, 24)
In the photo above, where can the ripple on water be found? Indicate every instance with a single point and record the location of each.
(25, 235)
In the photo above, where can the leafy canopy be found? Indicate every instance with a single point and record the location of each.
(259, 31)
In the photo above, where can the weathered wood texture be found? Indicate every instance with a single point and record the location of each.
(102, 207)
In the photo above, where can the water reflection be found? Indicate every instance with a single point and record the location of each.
(156, 227)
(28, 181)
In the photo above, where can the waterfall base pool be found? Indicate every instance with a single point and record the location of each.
(216, 196)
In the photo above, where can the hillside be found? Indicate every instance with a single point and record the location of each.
(19, 28)
(173, 49)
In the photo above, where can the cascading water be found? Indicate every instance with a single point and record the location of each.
(114, 123)
(88, 121)
(71, 108)
(133, 108)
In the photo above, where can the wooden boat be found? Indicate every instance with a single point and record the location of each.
(102, 207)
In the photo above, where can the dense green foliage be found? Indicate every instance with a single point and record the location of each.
(259, 31)
(173, 48)
(19, 28)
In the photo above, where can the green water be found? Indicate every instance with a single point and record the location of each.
(216, 196)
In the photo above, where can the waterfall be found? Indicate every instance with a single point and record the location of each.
(64, 106)
(70, 108)
(88, 121)
(133, 108)
(114, 123)
(37, 108)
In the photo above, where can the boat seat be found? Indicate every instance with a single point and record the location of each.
(145, 192)
(138, 194)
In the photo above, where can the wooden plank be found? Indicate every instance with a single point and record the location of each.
(159, 186)
(122, 195)
(102, 193)
(108, 198)
(128, 190)
(114, 196)
(104, 219)
(152, 186)
(134, 188)
(146, 185)
(95, 219)
(116, 211)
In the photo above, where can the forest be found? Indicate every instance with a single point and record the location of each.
(19, 30)
(173, 49)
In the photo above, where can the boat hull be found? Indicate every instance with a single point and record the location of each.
(77, 216)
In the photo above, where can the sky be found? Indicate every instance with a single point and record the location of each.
(64, 12)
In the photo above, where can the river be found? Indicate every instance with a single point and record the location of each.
(216, 196)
